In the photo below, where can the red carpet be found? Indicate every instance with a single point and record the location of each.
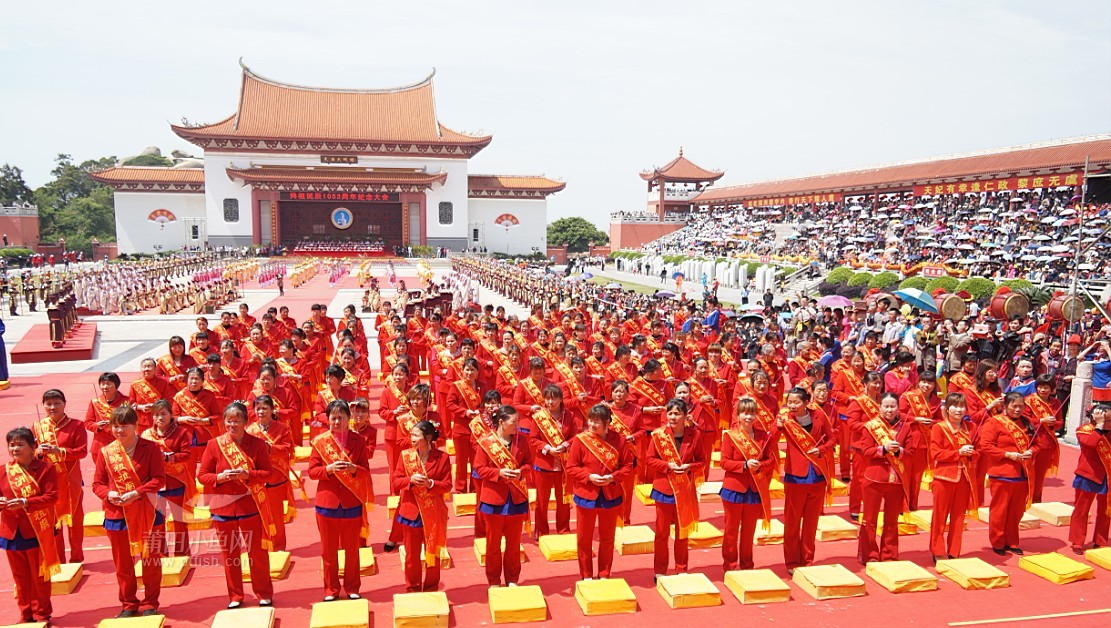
(203, 594)
(35, 345)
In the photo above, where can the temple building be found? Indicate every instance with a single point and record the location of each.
(307, 166)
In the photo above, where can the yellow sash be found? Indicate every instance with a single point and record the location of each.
(533, 391)
(47, 434)
(139, 515)
(1040, 408)
(919, 407)
(168, 366)
(190, 404)
(752, 450)
(1103, 448)
(645, 389)
(682, 485)
(42, 521)
(185, 472)
(1022, 441)
(237, 459)
(958, 439)
(470, 395)
(508, 375)
(326, 445)
(881, 432)
(498, 453)
(147, 393)
(433, 511)
(805, 442)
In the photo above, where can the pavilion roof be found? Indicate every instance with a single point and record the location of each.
(682, 170)
(335, 179)
(336, 119)
(501, 185)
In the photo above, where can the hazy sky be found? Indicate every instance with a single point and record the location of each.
(590, 92)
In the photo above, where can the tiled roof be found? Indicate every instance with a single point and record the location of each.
(149, 174)
(151, 179)
(682, 169)
(334, 175)
(513, 182)
(1067, 154)
(272, 110)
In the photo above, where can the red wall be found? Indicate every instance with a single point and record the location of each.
(21, 230)
(633, 235)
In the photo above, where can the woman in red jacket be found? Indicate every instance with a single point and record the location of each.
(491, 402)
(128, 476)
(234, 471)
(861, 409)
(28, 491)
(63, 442)
(627, 422)
(462, 403)
(422, 477)
(598, 462)
(882, 482)
(1092, 470)
(747, 458)
(1042, 410)
(675, 459)
(1005, 441)
(179, 461)
(280, 441)
(343, 494)
(502, 457)
(333, 390)
(919, 409)
(985, 400)
(807, 474)
(549, 433)
(953, 459)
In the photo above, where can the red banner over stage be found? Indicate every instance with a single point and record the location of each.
(804, 199)
(1006, 184)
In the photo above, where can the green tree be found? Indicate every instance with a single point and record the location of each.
(577, 232)
(74, 207)
(13, 189)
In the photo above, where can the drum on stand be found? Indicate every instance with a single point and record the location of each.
(1007, 305)
(950, 306)
(1064, 307)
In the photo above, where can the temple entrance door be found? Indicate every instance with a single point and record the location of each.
(265, 222)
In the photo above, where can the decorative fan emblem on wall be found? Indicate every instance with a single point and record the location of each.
(162, 216)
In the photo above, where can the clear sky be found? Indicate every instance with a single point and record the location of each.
(589, 92)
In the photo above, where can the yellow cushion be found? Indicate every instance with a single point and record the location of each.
(449, 447)
(1028, 521)
(1057, 568)
(775, 489)
(150, 621)
(510, 605)
(1100, 556)
(825, 582)
(834, 528)
(605, 597)
(29, 624)
(705, 535)
(1054, 513)
(65, 582)
(480, 551)
(688, 590)
(708, 492)
(255, 617)
(421, 610)
(973, 573)
(199, 519)
(391, 506)
(340, 614)
(924, 518)
(279, 566)
(94, 523)
(301, 454)
(757, 586)
(715, 460)
(772, 536)
(901, 576)
(368, 566)
(445, 557)
(532, 498)
(289, 512)
(840, 489)
(559, 547)
(464, 504)
(906, 526)
(644, 492)
(630, 540)
(174, 570)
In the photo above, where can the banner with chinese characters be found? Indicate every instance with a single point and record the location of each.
(356, 197)
(805, 199)
(1006, 184)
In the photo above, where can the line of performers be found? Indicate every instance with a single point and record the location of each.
(569, 420)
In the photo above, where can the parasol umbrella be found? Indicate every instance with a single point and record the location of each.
(1061, 248)
(1025, 237)
(1048, 220)
(1044, 258)
(966, 247)
(1041, 237)
(1016, 200)
(834, 300)
(1087, 266)
(1067, 212)
(730, 314)
(613, 285)
(1071, 239)
(664, 294)
(588, 275)
(917, 298)
(752, 307)
(678, 275)
(752, 316)
(1028, 258)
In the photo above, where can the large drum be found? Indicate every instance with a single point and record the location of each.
(951, 306)
(1007, 305)
(1066, 308)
